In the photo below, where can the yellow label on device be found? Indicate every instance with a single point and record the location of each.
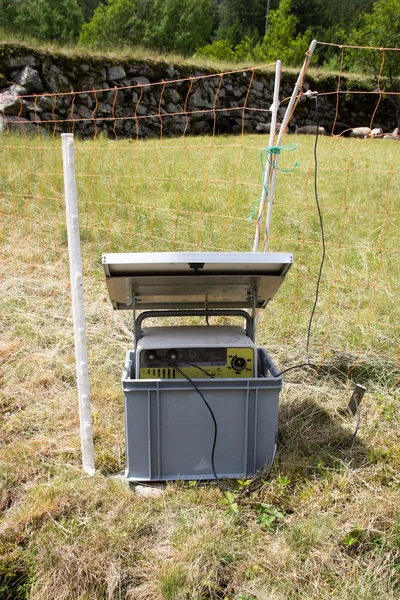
(239, 365)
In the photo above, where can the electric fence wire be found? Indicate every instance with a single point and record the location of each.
(321, 266)
(307, 364)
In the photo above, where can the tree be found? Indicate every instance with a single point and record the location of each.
(58, 20)
(381, 29)
(118, 23)
(181, 25)
(88, 7)
(282, 41)
(241, 18)
(169, 25)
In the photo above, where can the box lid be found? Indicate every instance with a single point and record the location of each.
(194, 279)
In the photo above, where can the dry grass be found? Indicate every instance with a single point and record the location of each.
(124, 54)
(65, 536)
(138, 53)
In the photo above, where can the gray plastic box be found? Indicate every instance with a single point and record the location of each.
(169, 430)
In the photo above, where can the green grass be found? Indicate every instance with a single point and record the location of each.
(11, 44)
(121, 54)
(65, 536)
(188, 195)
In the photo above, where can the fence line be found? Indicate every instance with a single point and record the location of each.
(181, 191)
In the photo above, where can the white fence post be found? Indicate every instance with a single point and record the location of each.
(274, 113)
(78, 310)
(275, 158)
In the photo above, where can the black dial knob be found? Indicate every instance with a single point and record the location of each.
(238, 363)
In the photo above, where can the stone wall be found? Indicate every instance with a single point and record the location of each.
(95, 94)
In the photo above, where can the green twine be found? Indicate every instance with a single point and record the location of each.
(267, 151)
(253, 210)
(277, 150)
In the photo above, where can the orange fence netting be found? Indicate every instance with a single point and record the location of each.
(170, 176)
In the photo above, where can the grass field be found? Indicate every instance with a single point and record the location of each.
(327, 524)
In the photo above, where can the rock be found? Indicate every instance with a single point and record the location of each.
(72, 74)
(172, 108)
(45, 103)
(115, 97)
(13, 124)
(267, 95)
(3, 81)
(141, 110)
(256, 94)
(140, 81)
(257, 85)
(198, 101)
(176, 125)
(87, 82)
(14, 62)
(85, 99)
(83, 111)
(33, 107)
(11, 104)
(116, 72)
(18, 90)
(172, 95)
(199, 127)
(148, 492)
(56, 82)
(30, 79)
(104, 109)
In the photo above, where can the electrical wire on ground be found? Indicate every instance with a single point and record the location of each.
(351, 439)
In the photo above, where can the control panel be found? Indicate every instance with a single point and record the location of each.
(197, 363)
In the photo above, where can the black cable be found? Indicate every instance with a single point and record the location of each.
(193, 384)
(249, 489)
(300, 366)
(172, 360)
(351, 439)
(322, 231)
(308, 363)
